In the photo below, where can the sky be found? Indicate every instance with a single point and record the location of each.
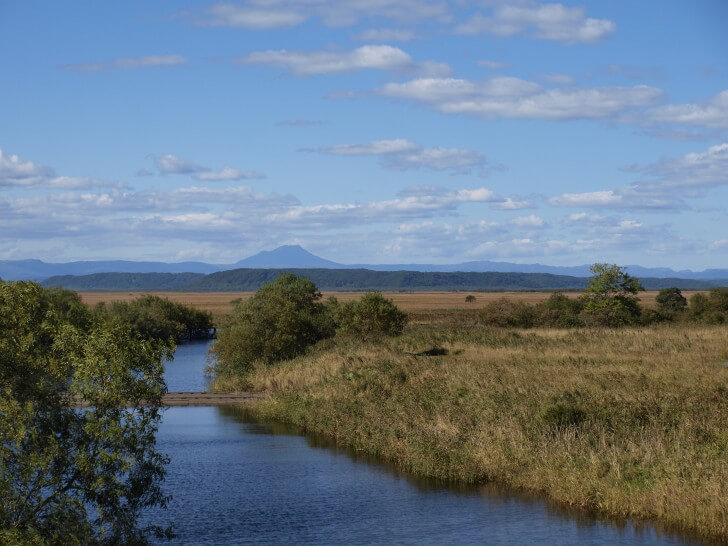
(367, 131)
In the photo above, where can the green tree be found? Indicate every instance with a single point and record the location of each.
(69, 474)
(610, 298)
(279, 322)
(671, 300)
(371, 317)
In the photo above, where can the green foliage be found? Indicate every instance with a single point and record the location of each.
(508, 313)
(609, 299)
(371, 317)
(279, 322)
(69, 474)
(710, 309)
(671, 300)
(560, 311)
(158, 318)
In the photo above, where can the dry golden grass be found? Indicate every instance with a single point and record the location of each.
(630, 422)
(220, 303)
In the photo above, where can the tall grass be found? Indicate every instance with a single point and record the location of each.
(630, 422)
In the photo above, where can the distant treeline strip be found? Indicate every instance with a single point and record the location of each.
(248, 280)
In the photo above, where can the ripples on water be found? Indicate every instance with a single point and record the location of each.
(236, 482)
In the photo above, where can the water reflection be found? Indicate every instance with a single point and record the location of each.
(186, 371)
(236, 481)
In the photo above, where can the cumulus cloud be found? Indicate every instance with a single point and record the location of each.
(228, 173)
(545, 21)
(373, 57)
(17, 173)
(514, 98)
(692, 171)
(171, 164)
(670, 182)
(128, 63)
(386, 35)
(267, 14)
(529, 221)
(402, 154)
(711, 114)
(392, 210)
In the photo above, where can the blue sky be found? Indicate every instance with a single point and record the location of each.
(379, 131)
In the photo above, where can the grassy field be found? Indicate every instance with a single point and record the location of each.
(630, 422)
(220, 303)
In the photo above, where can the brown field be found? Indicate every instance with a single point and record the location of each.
(220, 303)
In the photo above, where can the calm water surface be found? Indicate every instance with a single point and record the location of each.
(234, 481)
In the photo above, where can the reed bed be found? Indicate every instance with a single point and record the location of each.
(630, 422)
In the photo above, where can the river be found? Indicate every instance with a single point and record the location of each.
(235, 481)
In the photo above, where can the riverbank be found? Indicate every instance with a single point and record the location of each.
(629, 423)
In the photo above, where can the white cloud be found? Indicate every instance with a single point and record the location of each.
(624, 198)
(512, 204)
(128, 63)
(386, 35)
(692, 171)
(16, 172)
(228, 173)
(530, 221)
(722, 244)
(230, 15)
(507, 97)
(267, 14)
(393, 210)
(712, 114)
(377, 147)
(401, 154)
(671, 181)
(374, 57)
(171, 164)
(545, 21)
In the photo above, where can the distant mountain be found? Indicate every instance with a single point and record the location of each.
(245, 280)
(37, 270)
(294, 256)
(163, 282)
(287, 256)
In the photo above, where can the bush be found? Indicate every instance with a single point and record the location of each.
(470, 299)
(507, 313)
(610, 298)
(279, 322)
(152, 317)
(671, 300)
(371, 317)
(710, 309)
(560, 311)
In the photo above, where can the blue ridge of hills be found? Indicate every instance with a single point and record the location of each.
(294, 256)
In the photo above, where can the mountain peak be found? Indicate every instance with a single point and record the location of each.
(293, 256)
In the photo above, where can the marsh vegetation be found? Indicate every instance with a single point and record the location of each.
(602, 407)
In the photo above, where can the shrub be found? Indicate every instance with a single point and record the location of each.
(710, 309)
(371, 317)
(279, 322)
(609, 299)
(152, 317)
(671, 300)
(561, 311)
(507, 313)
(470, 298)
